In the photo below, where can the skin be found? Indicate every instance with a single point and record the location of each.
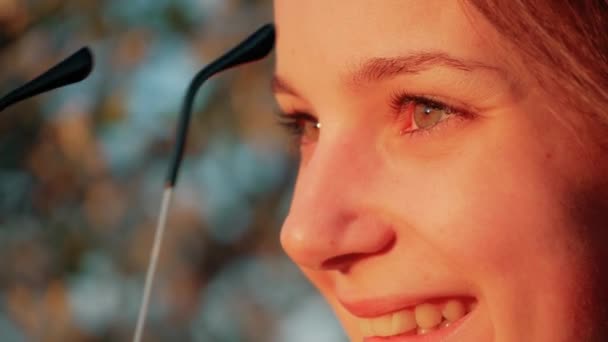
(504, 206)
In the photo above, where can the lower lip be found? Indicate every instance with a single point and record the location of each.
(434, 336)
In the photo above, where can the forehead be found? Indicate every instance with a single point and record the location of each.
(334, 36)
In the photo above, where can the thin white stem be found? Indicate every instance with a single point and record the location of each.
(158, 238)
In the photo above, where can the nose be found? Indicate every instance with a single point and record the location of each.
(334, 220)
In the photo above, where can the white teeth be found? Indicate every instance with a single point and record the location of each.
(423, 331)
(366, 327)
(383, 326)
(428, 316)
(453, 310)
(389, 325)
(404, 321)
(424, 319)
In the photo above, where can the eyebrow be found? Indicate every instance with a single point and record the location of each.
(381, 68)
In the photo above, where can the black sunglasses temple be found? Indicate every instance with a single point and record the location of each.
(73, 69)
(256, 47)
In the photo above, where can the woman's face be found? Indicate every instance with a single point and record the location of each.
(438, 184)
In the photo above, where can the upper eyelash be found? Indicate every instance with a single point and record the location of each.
(290, 121)
(398, 99)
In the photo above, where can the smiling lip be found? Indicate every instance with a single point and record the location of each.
(370, 308)
(380, 308)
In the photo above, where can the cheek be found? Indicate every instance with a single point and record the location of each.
(523, 218)
(506, 194)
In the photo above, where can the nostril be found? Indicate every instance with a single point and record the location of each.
(343, 262)
(333, 240)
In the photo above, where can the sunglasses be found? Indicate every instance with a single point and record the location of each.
(78, 67)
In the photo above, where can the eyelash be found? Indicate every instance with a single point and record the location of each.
(400, 99)
(292, 121)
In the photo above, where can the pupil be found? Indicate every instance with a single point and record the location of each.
(427, 116)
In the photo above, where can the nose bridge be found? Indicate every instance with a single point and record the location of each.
(335, 176)
(330, 221)
(332, 173)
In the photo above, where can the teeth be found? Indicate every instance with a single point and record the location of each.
(428, 316)
(404, 321)
(453, 310)
(423, 319)
(366, 327)
(383, 326)
(422, 331)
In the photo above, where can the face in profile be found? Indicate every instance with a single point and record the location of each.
(437, 192)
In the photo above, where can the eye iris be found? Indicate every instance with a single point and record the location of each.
(426, 116)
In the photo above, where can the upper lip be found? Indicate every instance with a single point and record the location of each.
(369, 308)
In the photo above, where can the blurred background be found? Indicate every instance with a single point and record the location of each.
(82, 172)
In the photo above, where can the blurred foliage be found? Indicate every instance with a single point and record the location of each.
(82, 171)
